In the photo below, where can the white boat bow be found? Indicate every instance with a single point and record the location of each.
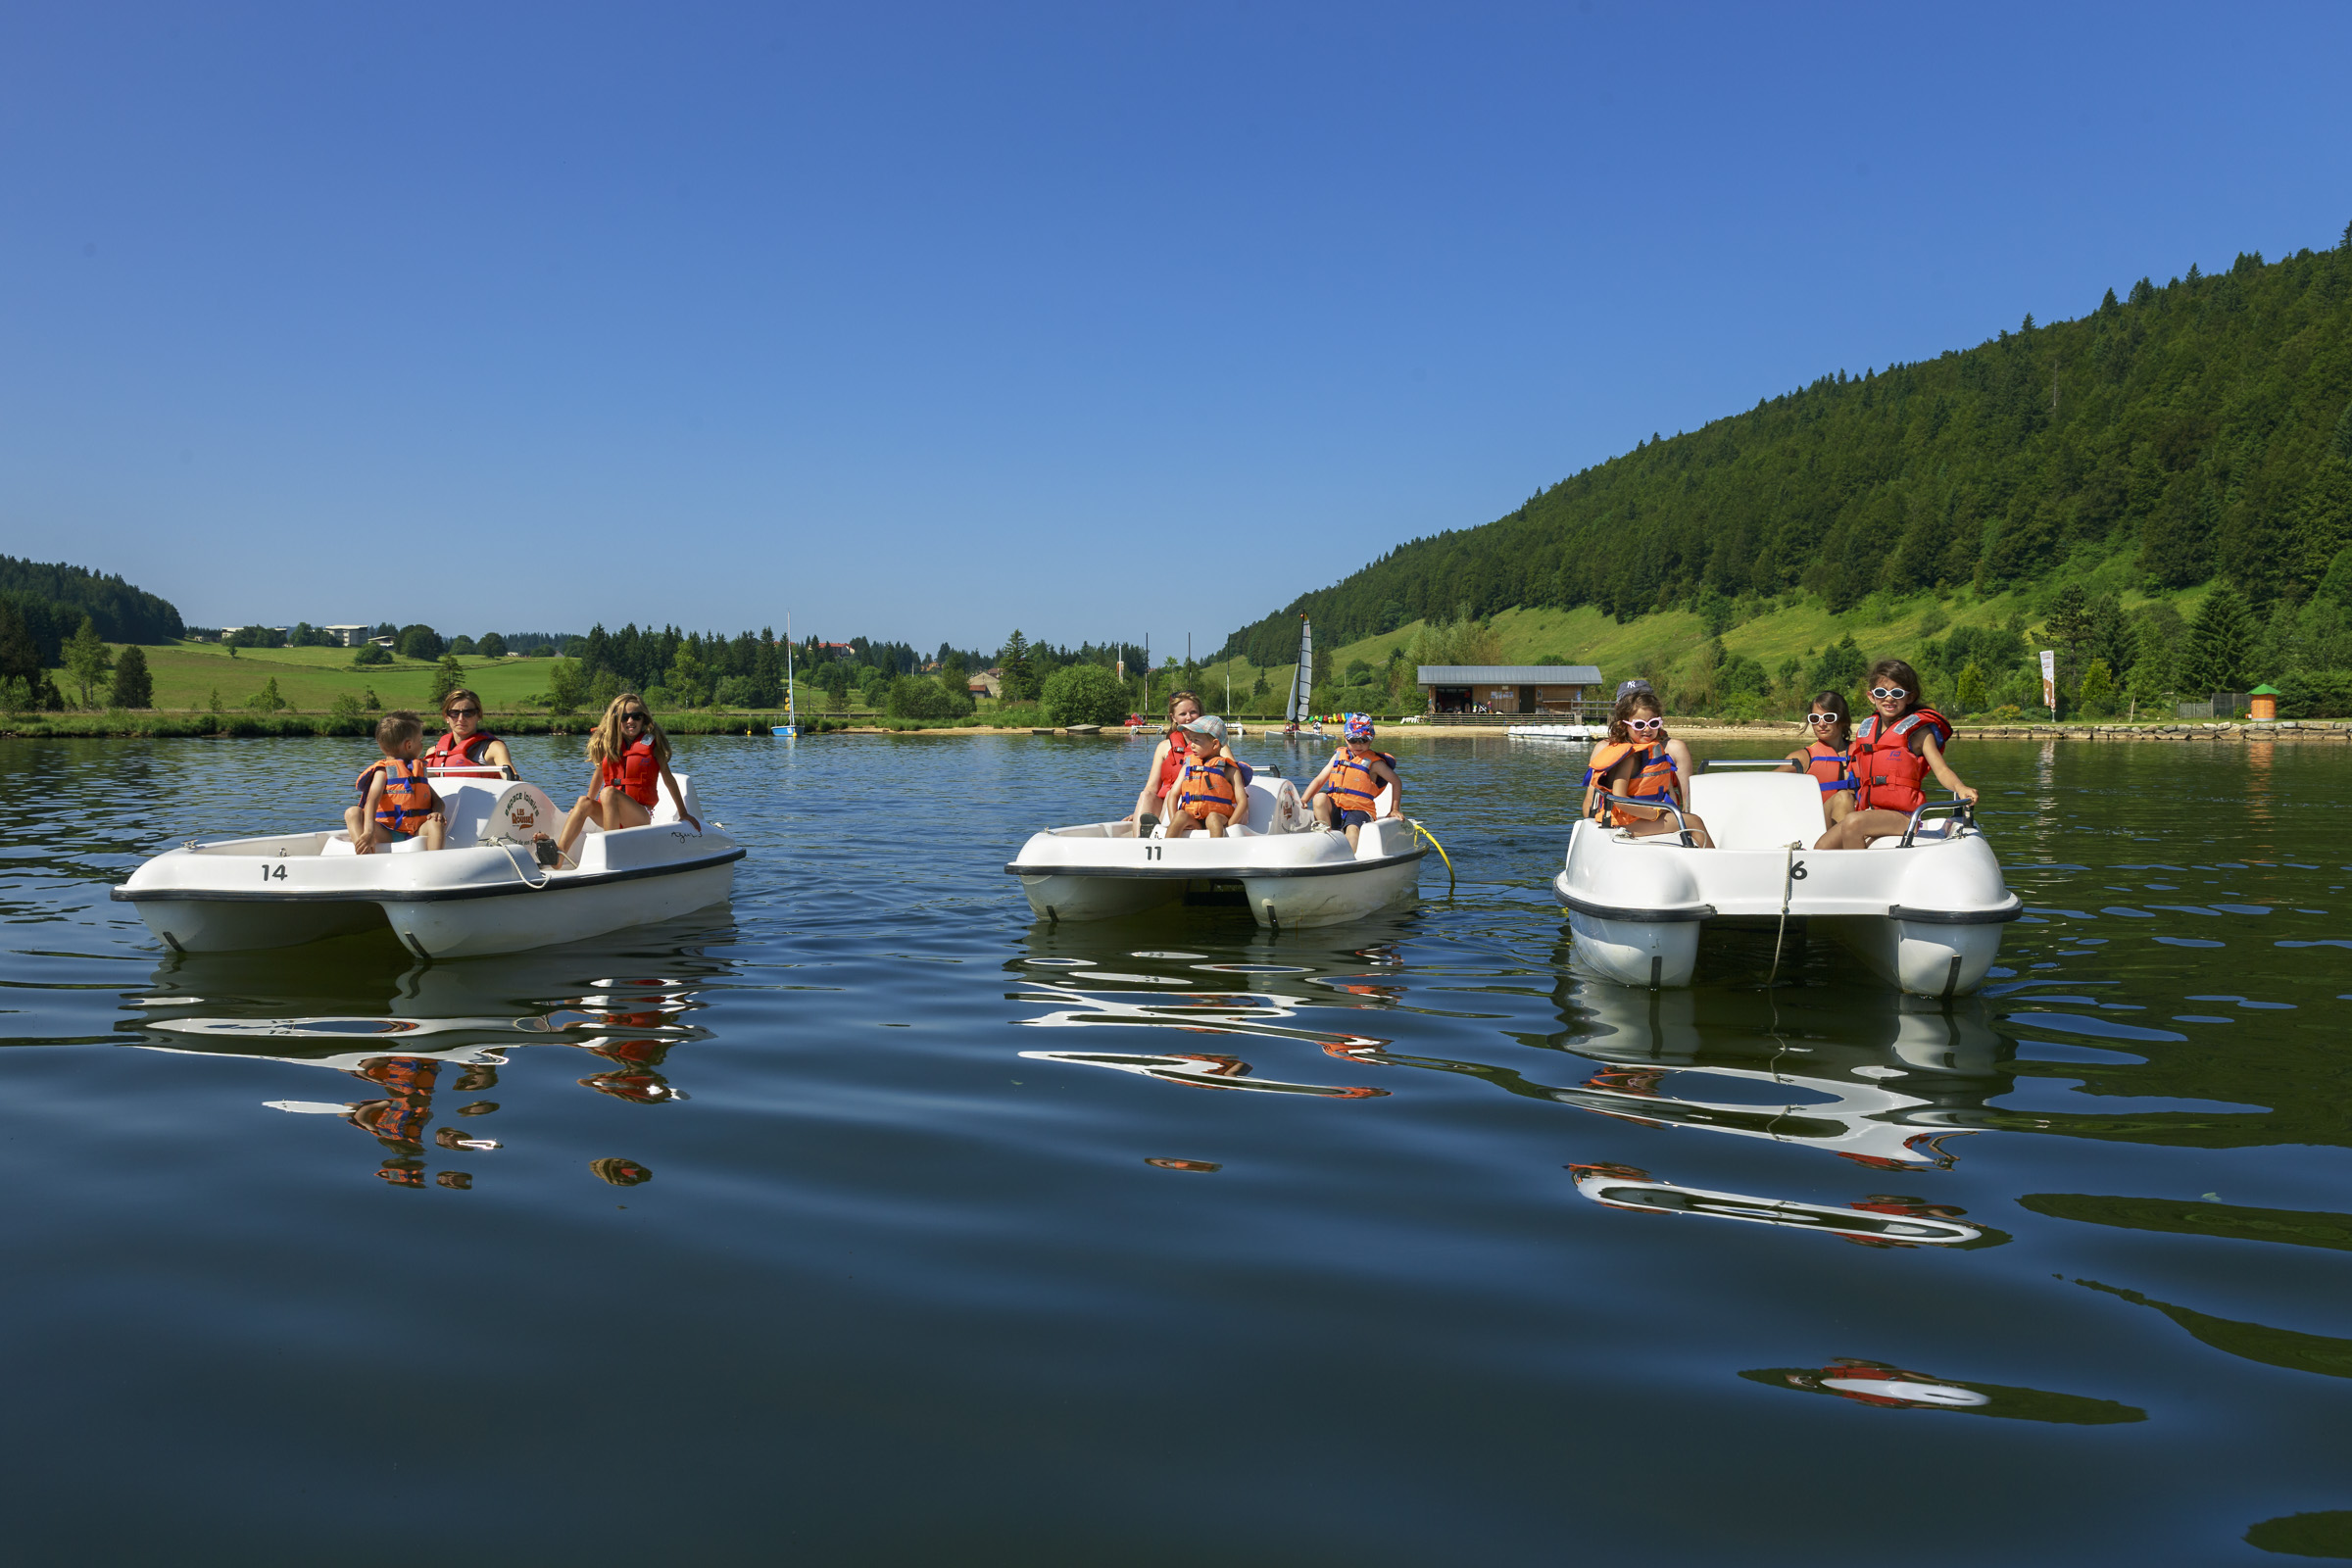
(483, 892)
(1924, 912)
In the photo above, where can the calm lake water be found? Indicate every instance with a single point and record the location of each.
(970, 1241)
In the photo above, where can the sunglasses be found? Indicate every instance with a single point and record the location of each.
(634, 718)
(460, 713)
(1821, 718)
(1645, 723)
(1887, 694)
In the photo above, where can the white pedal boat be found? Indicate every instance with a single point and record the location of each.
(1290, 873)
(1924, 911)
(483, 892)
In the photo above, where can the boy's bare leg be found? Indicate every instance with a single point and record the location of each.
(351, 822)
(434, 832)
(1216, 824)
(1323, 810)
(1353, 828)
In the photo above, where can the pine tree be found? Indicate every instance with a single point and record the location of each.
(133, 687)
(2343, 435)
(2221, 642)
(20, 655)
(2070, 624)
(2096, 694)
(1967, 693)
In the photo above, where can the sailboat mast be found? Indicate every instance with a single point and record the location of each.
(792, 713)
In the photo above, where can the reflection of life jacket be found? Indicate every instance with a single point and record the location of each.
(636, 773)
(1829, 765)
(1652, 779)
(1353, 786)
(1173, 762)
(1202, 788)
(448, 757)
(408, 799)
(1887, 765)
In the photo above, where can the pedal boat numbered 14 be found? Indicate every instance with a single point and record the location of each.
(1924, 911)
(1288, 871)
(483, 892)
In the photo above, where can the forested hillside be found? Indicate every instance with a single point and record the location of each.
(52, 598)
(2193, 431)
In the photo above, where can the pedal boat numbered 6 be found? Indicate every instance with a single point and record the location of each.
(1924, 911)
(1290, 873)
(483, 892)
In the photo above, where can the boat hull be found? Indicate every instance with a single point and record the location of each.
(1925, 917)
(489, 896)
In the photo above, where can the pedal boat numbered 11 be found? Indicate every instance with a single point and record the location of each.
(1924, 911)
(483, 892)
(1290, 873)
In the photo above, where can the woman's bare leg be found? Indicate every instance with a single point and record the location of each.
(572, 825)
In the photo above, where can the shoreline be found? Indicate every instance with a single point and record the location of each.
(300, 727)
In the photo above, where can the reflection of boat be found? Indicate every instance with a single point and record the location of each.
(1882, 1221)
(1200, 1071)
(484, 893)
(1924, 911)
(1287, 872)
(1880, 1081)
(1558, 732)
(1891, 1388)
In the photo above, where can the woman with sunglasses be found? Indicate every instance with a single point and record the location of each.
(1167, 760)
(1894, 751)
(466, 745)
(631, 755)
(1830, 736)
(1635, 761)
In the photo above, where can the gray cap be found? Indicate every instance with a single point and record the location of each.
(1629, 687)
(1210, 725)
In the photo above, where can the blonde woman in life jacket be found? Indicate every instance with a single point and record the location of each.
(1635, 762)
(1167, 759)
(631, 757)
(1894, 751)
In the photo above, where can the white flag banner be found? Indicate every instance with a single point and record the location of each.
(2049, 679)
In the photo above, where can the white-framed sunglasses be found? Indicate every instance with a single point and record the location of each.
(1887, 694)
(1645, 723)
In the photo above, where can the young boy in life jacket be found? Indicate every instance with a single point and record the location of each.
(1209, 788)
(1830, 737)
(400, 803)
(1347, 792)
(1635, 762)
(1894, 751)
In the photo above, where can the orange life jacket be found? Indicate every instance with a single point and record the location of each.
(408, 799)
(447, 756)
(1828, 763)
(636, 771)
(1202, 788)
(1652, 780)
(1351, 796)
(1889, 769)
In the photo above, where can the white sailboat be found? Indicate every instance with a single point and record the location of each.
(1299, 709)
(792, 713)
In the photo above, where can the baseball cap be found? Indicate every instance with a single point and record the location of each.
(1210, 725)
(1359, 724)
(1637, 684)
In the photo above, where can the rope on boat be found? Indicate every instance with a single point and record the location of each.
(1441, 855)
(1788, 891)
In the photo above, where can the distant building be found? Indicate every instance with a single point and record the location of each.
(345, 636)
(1563, 689)
(986, 683)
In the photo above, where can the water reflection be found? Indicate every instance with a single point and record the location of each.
(1883, 1219)
(2323, 1353)
(411, 1033)
(1886, 1387)
(1086, 982)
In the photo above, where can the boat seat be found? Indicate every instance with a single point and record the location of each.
(1759, 811)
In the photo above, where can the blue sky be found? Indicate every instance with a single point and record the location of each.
(928, 322)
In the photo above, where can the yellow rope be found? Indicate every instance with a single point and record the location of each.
(1441, 855)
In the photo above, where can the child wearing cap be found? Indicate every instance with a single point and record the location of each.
(1347, 791)
(1208, 788)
